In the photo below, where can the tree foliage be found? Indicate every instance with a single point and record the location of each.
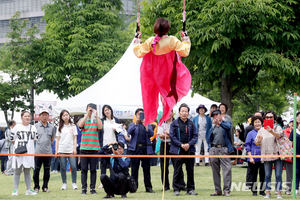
(83, 40)
(234, 40)
(16, 63)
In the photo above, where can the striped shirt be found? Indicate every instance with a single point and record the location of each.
(89, 138)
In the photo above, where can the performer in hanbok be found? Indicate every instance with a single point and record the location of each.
(162, 70)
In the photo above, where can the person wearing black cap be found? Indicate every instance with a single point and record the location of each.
(219, 143)
(183, 135)
(202, 124)
(117, 182)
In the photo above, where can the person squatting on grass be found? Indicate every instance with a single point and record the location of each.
(23, 134)
(117, 182)
(66, 144)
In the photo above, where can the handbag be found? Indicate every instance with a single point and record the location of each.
(285, 147)
(132, 187)
(22, 149)
(131, 184)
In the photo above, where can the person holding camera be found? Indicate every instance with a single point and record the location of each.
(117, 182)
(219, 143)
(89, 125)
(140, 144)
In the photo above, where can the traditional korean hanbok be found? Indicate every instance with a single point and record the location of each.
(163, 72)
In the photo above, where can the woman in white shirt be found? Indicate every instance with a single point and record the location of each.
(108, 134)
(66, 142)
(23, 135)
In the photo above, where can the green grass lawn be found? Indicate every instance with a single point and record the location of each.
(203, 183)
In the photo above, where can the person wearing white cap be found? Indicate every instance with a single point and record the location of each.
(46, 133)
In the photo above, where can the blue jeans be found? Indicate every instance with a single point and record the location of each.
(278, 174)
(63, 165)
(54, 163)
(297, 173)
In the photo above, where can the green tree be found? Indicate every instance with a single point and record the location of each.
(83, 40)
(233, 40)
(16, 63)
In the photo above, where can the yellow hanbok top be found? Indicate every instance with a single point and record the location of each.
(165, 45)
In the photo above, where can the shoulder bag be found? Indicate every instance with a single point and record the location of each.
(22, 149)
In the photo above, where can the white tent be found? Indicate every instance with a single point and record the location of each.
(121, 89)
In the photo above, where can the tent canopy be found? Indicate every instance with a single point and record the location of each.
(121, 89)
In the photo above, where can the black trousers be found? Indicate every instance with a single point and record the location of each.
(189, 164)
(135, 165)
(118, 186)
(77, 159)
(162, 152)
(104, 166)
(253, 172)
(3, 163)
(85, 161)
(46, 161)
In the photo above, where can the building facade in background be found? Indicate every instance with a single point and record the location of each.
(32, 9)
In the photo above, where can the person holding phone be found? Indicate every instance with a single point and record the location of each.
(89, 146)
(140, 144)
(266, 139)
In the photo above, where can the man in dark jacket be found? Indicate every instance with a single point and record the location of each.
(117, 182)
(183, 135)
(219, 143)
(140, 144)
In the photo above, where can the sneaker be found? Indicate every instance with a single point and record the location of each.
(279, 196)
(30, 192)
(83, 192)
(191, 192)
(36, 190)
(268, 196)
(64, 186)
(197, 165)
(297, 192)
(93, 191)
(53, 171)
(207, 164)
(100, 186)
(46, 190)
(74, 186)
(15, 193)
